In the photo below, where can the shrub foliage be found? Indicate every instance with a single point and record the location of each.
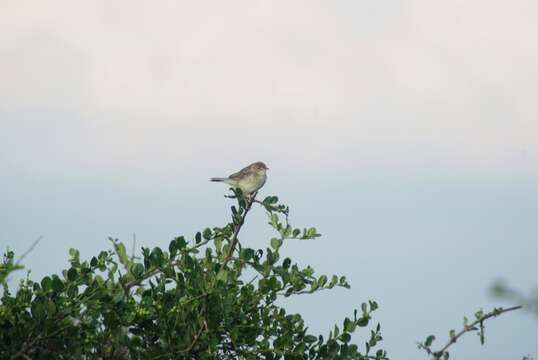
(203, 298)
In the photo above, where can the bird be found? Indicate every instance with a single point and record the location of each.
(250, 179)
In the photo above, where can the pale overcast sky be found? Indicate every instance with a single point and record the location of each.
(405, 131)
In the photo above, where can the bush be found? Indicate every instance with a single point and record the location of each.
(194, 301)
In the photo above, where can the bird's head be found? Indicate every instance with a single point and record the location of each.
(259, 167)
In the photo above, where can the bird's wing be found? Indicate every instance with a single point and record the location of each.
(238, 175)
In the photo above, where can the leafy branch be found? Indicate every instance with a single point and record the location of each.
(467, 327)
(9, 264)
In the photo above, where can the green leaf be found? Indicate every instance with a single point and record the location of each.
(333, 282)
(218, 243)
(363, 321)
(345, 337)
(222, 276)
(274, 220)
(286, 233)
(75, 255)
(247, 254)
(429, 340)
(57, 284)
(349, 326)
(181, 243)
(72, 274)
(38, 309)
(157, 257)
(172, 248)
(310, 233)
(122, 252)
(310, 339)
(51, 308)
(118, 295)
(276, 243)
(137, 270)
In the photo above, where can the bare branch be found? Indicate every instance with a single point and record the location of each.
(34, 244)
(133, 250)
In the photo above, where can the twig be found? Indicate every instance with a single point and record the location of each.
(233, 240)
(301, 292)
(134, 247)
(152, 273)
(252, 280)
(198, 334)
(34, 244)
(496, 312)
(196, 337)
(27, 345)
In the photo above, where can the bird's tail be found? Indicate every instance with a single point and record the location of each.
(217, 179)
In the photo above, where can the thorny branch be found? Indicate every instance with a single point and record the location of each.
(496, 312)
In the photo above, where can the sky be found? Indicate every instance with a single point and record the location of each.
(405, 131)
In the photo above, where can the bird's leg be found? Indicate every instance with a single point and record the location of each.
(251, 198)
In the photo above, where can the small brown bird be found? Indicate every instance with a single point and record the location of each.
(249, 179)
